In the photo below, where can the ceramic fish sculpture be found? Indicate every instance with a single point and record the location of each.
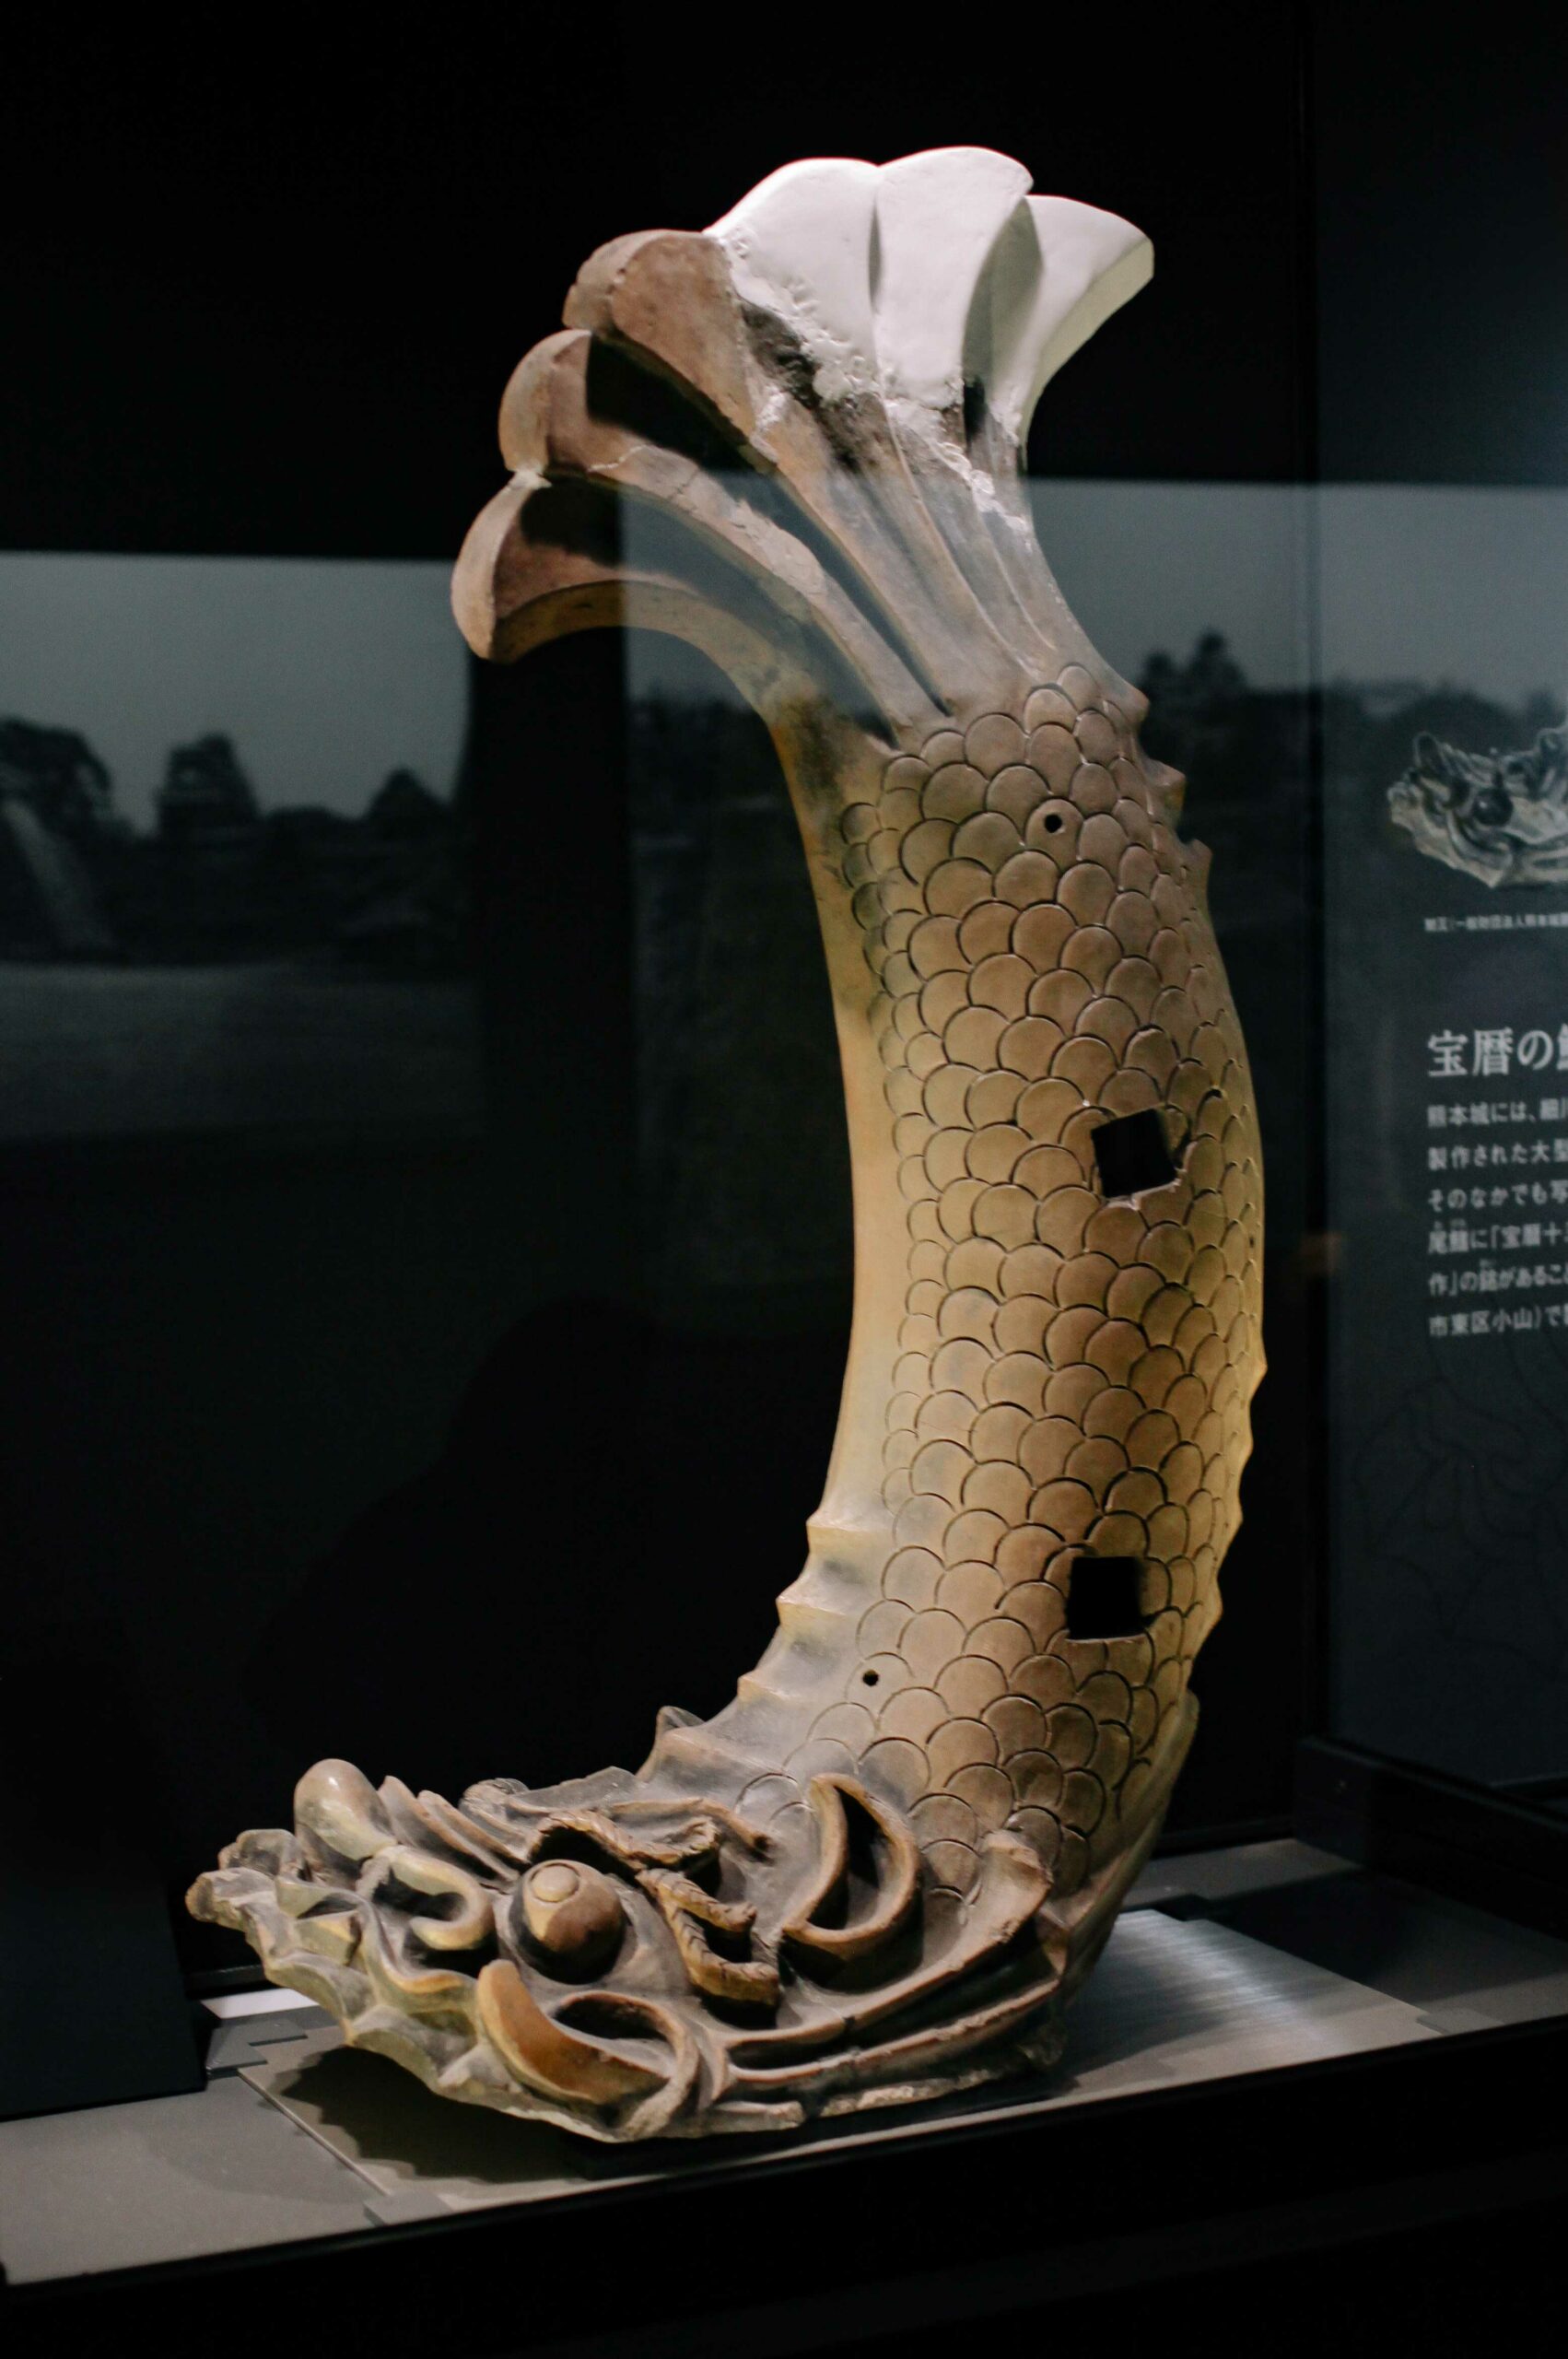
(1502, 819)
(879, 1874)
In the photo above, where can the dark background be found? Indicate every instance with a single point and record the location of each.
(377, 1450)
(1451, 1501)
(1441, 185)
(273, 309)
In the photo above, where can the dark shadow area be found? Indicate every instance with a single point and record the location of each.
(1395, 1937)
(368, 256)
(93, 2002)
(625, 1483)
(616, 1508)
(1443, 2285)
(1103, 1597)
(1132, 1154)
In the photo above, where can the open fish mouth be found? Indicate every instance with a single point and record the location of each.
(600, 1966)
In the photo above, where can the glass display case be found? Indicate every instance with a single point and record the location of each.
(1439, 622)
(432, 1243)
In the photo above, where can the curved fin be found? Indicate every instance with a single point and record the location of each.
(426, 1872)
(537, 2049)
(899, 1883)
(622, 2012)
(749, 1981)
(1057, 274)
(800, 245)
(937, 217)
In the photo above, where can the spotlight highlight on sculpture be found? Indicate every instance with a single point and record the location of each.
(879, 1874)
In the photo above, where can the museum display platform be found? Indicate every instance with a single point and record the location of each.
(1281, 2054)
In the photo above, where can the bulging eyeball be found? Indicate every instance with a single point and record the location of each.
(569, 1916)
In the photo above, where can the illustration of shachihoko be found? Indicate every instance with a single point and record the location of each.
(1502, 818)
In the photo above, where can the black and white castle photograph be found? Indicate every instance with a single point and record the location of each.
(233, 875)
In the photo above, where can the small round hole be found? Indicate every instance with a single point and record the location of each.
(869, 1678)
(1053, 822)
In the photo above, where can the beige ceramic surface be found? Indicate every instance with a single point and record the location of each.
(793, 440)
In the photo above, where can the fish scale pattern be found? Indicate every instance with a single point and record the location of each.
(1075, 1372)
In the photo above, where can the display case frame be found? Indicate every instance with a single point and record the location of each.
(1268, 2172)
